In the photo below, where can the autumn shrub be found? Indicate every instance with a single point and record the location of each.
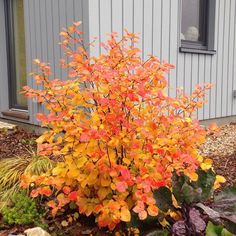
(115, 133)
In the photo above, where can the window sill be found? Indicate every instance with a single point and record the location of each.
(197, 51)
(23, 115)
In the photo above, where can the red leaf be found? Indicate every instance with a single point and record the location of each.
(41, 117)
(84, 137)
(73, 196)
(66, 190)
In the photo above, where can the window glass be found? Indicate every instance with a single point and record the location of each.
(18, 35)
(193, 23)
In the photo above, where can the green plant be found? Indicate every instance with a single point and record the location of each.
(22, 211)
(13, 168)
(216, 230)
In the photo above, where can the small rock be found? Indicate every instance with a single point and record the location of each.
(4, 125)
(37, 231)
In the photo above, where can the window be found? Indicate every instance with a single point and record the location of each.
(197, 26)
(14, 10)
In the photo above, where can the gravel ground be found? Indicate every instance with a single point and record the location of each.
(221, 148)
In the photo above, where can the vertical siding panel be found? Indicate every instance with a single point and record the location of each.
(194, 74)
(165, 33)
(207, 79)
(84, 16)
(173, 45)
(117, 20)
(230, 56)
(105, 20)
(43, 30)
(38, 28)
(128, 15)
(225, 59)
(214, 67)
(70, 15)
(62, 25)
(138, 21)
(201, 70)
(180, 58)
(43, 39)
(180, 70)
(39, 42)
(147, 28)
(69, 19)
(56, 38)
(49, 38)
(78, 14)
(157, 28)
(94, 25)
(187, 73)
(220, 59)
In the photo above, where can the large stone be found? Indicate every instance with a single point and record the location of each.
(37, 231)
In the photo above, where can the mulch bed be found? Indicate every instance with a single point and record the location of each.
(16, 142)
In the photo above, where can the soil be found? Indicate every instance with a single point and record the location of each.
(16, 142)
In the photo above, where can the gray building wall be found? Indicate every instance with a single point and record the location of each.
(44, 20)
(157, 21)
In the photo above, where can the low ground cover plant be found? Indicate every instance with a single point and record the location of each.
(23, 210)
(116, 136)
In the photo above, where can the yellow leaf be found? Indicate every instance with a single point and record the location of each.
(60, 169)
(95, 117)
(105, 180)
(70, 139)
(126, 140)
(126, 161)
(92, 178)
(43, 137)
(81, 161)
(114, 142)
(164, 223)
(219, 180)
(193, 176)
(103, 192)
(207, 164)
(125, 214)
(73, 172)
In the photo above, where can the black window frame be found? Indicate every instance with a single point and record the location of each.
(11, 64)
(206, 46)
